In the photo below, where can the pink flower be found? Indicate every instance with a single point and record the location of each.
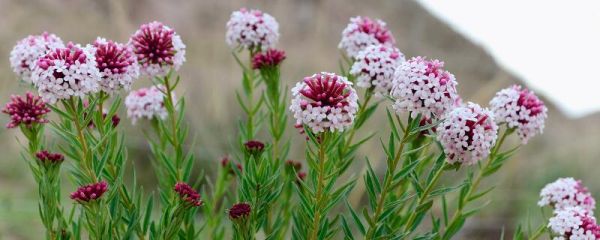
(268, 59)
(520, 108)
(362, 32)
(567, 192)
(324, 101)
(467, 134)
(66, 72)
(146, 103)
(158, 49)
(27, 111)
(239, 210)
(117, 65)
(252, 29)
(188, 194)
(374, 67)
(90, 192)
(25, 54)
(423, 87)
(574, 223)
(49, 158)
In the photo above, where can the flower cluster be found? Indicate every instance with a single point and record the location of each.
(26, 110)
(239, 210)
(66, 72)
(574, 223)
(362, 32)
(566, 192)
(117, 65)
(26, 52)
(375, 66)
(188, 194)
(324, 101)
(520, 108)
(252, 29)
(422, 86)
(158, 49)
(90, 192)
(146, 103)
(49, 158)
(254, 147)
(468, 134)
(268, 59)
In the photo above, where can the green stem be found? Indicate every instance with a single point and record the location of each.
(320, 185)
(87, 163)
(361, 110)
(425, 195)
(538, 233)
(177, 145)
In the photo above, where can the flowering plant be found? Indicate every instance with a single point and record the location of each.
(431, 132)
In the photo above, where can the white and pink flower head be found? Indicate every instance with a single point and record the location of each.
(567, 192)
(146, 103)
(66, 72)
(362, 32)
(324, 102)
(252, 29)
(158, 49)
(423, 86)
(467, 134)
(574, 223)
(25, 54)
(375, 66)
(117, 65)
(520, 108)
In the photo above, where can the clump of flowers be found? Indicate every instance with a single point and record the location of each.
(567, 192)
(158, 49)
(468, 134)
(25, 54)
(146, 103)
(252, 29)
(66, 72)
(254, 147)
(46, 157)
(27, 110)
(574, 223)
(520, 108)
(90, 192)
(422, 86)
(268, 59)
(188, 194)
(362, 32)
(117, 65)
(375, 66)
(324, 102)
(239, 210)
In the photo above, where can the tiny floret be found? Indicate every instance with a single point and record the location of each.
(567, 192)
(66, 72)
(362, 32)
(252, 29)
(422, 86)
(146, 103)
(374, 68)
(158, 49)
(188, 194)
(574, 223)
(90, 192)
(27, 110)
(268, 59)
(520, 108)
(324, 102)
(467, 134)
(254, 147)
(25, 54)
(117, 65)
(239, 210)
(46, 157)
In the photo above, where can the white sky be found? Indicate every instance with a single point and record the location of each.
(553, 45)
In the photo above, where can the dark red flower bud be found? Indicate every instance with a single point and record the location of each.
(27, 110)
(51, 158)
(90, 192)
(239, 210)
(188, 194)
(269, 58)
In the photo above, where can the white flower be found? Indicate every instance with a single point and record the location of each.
(422, 86)
(566, 192)
(250, 29)
(467, 134)
(574, 223)
(324, 102)
(375, 66)
(25, 54)
(66, 72)
(362, 32)
(117, 64)
(147, 103)
(521, 109)
(158, 49)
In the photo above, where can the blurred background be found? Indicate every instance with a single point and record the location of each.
(310, 31)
